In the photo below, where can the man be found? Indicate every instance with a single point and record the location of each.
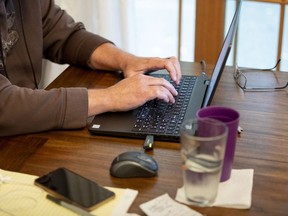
(32, 29)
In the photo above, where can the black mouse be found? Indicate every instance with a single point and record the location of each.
(133, 164)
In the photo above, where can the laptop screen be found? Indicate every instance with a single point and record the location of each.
(222, 58)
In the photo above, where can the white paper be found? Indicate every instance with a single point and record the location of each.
(125, 202)
(233, 193)
(165, 206)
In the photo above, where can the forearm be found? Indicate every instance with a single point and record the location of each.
(107, 100)
(25, 110)
(109, 57)
(98, 102)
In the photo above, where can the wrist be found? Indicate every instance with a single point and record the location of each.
(109, 57)
(98, 102)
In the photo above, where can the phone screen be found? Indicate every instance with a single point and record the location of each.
(74, 188)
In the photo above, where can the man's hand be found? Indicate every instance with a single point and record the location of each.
(137, 88)
(109, 57)
(130, 93)
(141, 65)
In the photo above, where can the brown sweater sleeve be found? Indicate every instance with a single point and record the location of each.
(24, 110)
(67, 41)
(54, 35)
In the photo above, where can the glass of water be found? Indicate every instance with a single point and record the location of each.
(203, 143)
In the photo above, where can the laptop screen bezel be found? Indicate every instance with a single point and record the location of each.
(222, 58)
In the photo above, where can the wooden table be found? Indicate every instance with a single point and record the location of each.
(263, 146)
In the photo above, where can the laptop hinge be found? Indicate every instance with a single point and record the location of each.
(207, 82)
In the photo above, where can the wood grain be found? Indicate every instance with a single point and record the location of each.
(262, 146)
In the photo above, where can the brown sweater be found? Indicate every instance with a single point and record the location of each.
(45, 31)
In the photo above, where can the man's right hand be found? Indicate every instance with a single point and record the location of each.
(130, 93)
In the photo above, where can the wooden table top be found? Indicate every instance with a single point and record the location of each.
(263, 146)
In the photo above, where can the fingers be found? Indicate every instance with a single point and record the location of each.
(165, 95)
(164, 83)
(134, 91)
(147, 65)
(172, 65)
(162, 89)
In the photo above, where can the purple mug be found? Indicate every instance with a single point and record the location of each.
(231, 118)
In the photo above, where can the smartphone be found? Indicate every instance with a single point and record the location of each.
(73, 188)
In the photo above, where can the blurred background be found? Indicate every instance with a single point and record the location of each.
(192, 30)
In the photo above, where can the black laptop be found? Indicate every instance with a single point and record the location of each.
(163, 120)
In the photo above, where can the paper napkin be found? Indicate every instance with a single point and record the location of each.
(233, 193)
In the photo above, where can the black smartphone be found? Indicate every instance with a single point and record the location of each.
(73, 188)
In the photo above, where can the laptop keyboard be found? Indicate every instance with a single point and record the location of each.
(159, 117)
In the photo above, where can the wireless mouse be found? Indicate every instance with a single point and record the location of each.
(133, 164)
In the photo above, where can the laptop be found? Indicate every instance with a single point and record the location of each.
(162, 120)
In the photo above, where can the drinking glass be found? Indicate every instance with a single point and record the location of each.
(203, 144)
